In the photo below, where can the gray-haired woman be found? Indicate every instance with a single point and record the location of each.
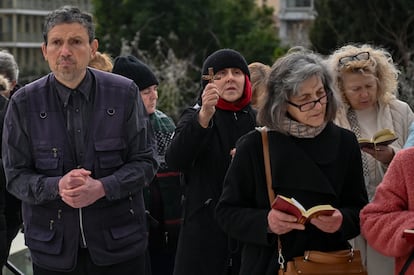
(312, 160)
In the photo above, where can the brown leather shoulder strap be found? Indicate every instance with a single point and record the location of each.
(265, 142)
(270, 192)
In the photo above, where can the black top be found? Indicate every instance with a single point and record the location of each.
(322, 170)
(3, 232)
(203, 156)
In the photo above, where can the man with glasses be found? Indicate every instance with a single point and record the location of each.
(366, 80)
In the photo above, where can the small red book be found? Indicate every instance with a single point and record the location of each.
(293, 207)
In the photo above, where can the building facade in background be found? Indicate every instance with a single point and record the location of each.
(21, 27)
(293, 18)
(21, 23)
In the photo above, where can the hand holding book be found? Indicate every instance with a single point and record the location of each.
(382, 137)
(293, 207)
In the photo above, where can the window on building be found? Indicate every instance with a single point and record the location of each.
(1, 29)
(298, 3)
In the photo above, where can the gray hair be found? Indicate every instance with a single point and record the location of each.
(8, 66)
(68, 15)
(285, 79)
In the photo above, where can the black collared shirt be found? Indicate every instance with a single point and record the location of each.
(77, 105)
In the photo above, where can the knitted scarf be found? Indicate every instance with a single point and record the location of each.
(297, 129)
(163, 127)
(353, 122)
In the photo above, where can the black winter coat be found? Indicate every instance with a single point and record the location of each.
(326, 169)
(3, 231)
(203, 156)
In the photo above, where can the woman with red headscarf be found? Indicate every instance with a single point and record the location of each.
(202, 150)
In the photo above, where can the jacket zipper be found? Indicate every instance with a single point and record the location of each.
(81, 229)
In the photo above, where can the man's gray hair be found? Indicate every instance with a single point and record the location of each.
(68, 15)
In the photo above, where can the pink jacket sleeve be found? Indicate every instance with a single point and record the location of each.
(392, 209)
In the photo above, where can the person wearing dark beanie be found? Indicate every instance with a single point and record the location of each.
(225, 58)
(132, 68)
(202, 149)
(163, 195)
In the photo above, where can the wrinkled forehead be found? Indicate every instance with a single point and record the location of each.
(68, 30)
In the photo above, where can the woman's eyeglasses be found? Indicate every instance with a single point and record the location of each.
(346, 59)
(311, 104)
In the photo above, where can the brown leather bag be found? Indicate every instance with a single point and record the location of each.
(342, 262)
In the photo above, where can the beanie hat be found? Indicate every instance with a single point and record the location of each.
(130, 67)
(224, 58)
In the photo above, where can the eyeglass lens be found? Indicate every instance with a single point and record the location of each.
(310, 105)
(349, 58)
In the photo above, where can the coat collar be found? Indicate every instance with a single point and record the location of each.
(307, 155)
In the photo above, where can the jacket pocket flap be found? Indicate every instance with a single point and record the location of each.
(123, 231)
(43, 240)
(47, 163)
(110, 144)
(40, 235)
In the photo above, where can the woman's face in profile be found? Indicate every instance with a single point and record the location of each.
(309, 106)
(149, 97)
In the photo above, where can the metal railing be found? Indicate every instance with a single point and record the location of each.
(13, 269)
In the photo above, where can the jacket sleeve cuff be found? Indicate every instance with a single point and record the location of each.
(51, 188)
(111, 187)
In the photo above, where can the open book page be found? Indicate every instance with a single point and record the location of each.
(300, 206)
(382, 137)
(324, 209)
(295, 208)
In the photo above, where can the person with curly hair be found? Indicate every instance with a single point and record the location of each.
(366, 79)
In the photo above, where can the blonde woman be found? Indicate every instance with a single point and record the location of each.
(367, 81)
(258, 74)
(101, 61)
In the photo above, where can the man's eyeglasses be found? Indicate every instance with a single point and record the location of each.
(311, 104)
(349, 58)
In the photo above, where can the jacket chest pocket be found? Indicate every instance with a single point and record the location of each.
(48, 158)
(110, 152)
